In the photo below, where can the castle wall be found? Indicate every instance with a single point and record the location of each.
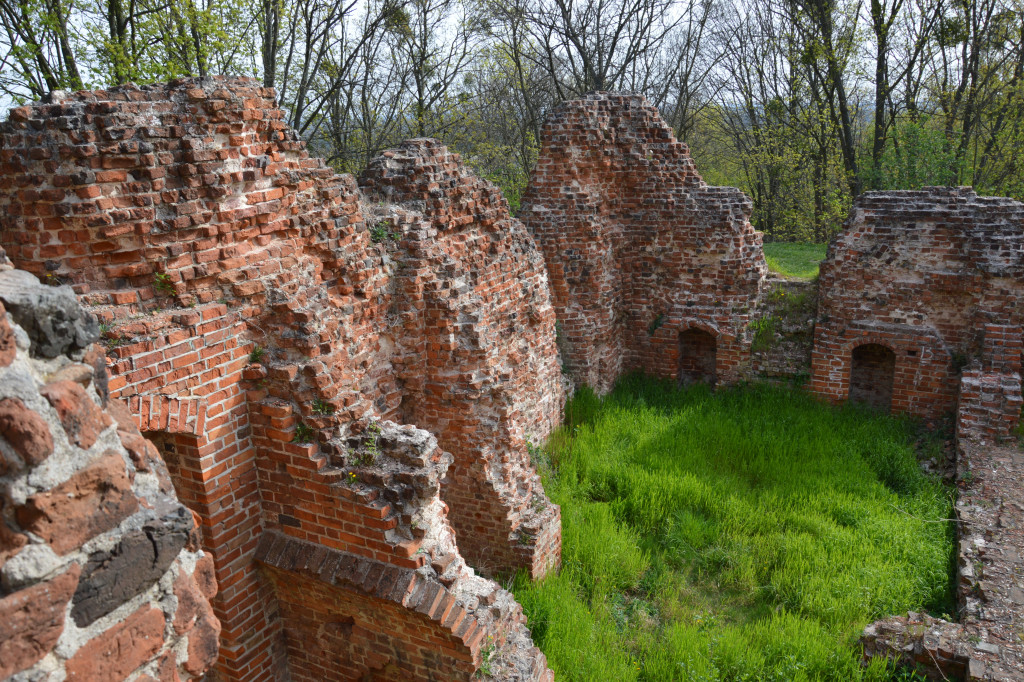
(258, 328)
(937, 277)
(638, 248)
(101, 572)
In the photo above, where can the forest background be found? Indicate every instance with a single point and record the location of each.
(803, 104)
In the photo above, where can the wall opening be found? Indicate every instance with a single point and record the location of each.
(871, 376)
(697, 357)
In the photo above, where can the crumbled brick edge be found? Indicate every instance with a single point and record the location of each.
(936, 276)
(987, 641)
(639, 249)
(259, 330)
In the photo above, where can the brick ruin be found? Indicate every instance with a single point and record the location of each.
(921, 307)
(648, 266)
(101, 572)
(343, 376)
(271, 331)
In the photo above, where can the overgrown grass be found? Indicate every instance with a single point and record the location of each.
(795, 260)
(748, 534)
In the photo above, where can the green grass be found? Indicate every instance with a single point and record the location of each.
(748, 534)
(795, 260)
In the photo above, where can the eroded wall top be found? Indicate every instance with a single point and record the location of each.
(638, 247)
(264, 324)
(935, 276)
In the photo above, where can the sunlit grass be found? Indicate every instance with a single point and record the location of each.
(748, 534)
(795, 260)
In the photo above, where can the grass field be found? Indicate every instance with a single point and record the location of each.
(795, 260)
(747, 534)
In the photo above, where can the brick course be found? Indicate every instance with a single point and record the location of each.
(91, 537)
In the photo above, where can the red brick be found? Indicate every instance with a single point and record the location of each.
(92, 501)
(120, 650)
(32, 620)
(25, 431)
(82, 419)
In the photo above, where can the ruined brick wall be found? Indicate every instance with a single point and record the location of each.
(639, 249)
(937, 277)
(478, 360)
(257, 327)
(101, 573)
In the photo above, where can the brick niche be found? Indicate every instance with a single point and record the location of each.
(276, 335)
(935, 279)
(641, 253)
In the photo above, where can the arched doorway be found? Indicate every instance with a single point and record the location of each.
(871, 375)
(697, 357)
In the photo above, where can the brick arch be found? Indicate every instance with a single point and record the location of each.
(922, 374)
(688, 323)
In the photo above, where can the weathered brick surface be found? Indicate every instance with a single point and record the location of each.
(477, 359)
(94, 500)
(90, 543)
(121, 650)
(639, 249)
(25, 430)
(937, 277)
(32, 620)
(251, 305)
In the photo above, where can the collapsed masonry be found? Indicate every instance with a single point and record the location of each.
(101, 573)
(648, 266)
(921, 306)
(985, 642)
(269, 330)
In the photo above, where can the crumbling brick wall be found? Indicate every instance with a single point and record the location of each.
(477, 361)
(639, 249)
(937, 277)
(101, 573)
(257, 328)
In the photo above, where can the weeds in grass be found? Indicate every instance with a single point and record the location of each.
(747, 534)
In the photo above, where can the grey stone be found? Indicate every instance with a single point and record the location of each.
(987, 647)
(51, 316)
(31, 565)
(109, 579)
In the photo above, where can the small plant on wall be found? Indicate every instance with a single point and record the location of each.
(163, 284)
(304, 433)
